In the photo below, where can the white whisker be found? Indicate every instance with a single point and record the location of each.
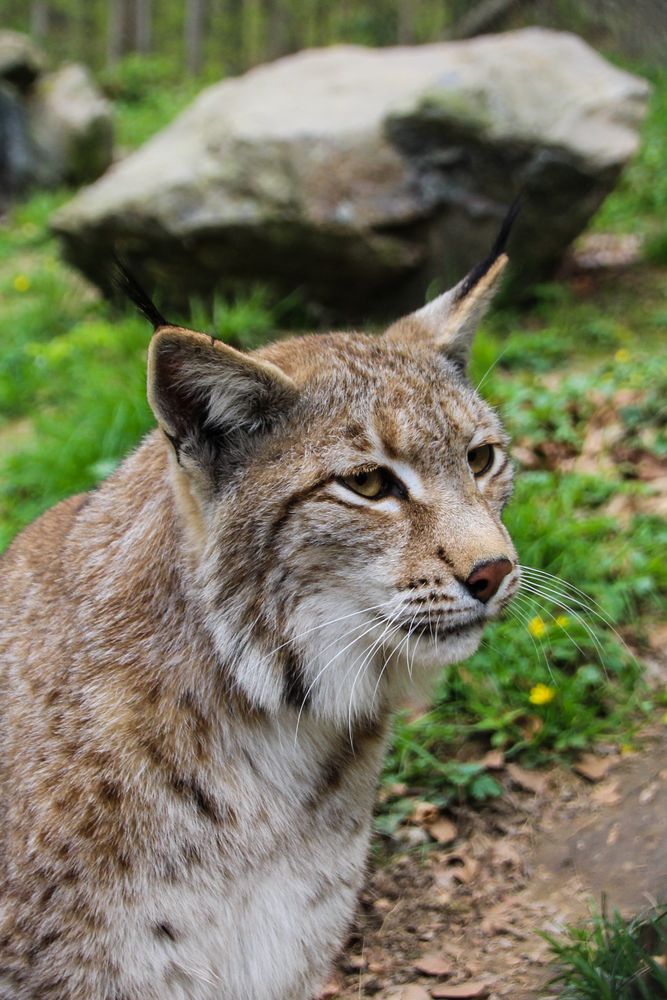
(543, 580)
(524, 618)
(373, 625)
(384, 667)
(332, 621)
(566, 583)
(557, 599)
(366, 659)
(490, 369)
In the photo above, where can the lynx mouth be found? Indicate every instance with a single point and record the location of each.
(435, 629)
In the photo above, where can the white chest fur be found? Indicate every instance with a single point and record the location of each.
(261, 913)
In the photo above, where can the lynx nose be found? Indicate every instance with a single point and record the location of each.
(486, 578)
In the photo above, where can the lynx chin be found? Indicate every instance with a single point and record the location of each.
(199, 660)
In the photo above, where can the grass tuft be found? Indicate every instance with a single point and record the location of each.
(611, 958)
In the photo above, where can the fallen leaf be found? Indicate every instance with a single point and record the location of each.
(355, 963)
(648, 794)
(555, 453)
(650, 467)
(606, 794)
(531, 726)
(443, 830)
(612, 836)
(459, 866)
(591, 767)
(494, 760)
(505, 853)
(411, 835)
(462, 991)
(497, 918)
(395, 791)
(530, 781)
(525, 456)
(434, 965)
(657, 637)
(410, 992)
(602, 250)
(424, 812)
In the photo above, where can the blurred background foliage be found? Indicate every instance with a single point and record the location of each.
(218, 37)
(578, 373)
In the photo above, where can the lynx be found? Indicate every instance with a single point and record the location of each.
(199, 659)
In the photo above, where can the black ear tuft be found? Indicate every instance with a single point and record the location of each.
(498, 247)
(128, 285)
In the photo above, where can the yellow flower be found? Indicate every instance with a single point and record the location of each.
(664, 718)
(536, 627)
(562, 620)
(21, 283)
(541, 694)
(627, 749)
(622, 356)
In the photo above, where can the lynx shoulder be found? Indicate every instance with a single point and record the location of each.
(198, 660)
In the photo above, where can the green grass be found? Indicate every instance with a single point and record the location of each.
(639, 202)
(611, 958)
(72, 404)
(148, 92)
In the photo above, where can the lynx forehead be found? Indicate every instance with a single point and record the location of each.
(407, 552)
(198, 661)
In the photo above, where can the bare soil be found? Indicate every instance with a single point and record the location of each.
(462, 919)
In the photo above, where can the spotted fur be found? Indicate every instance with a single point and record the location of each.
(200, 658)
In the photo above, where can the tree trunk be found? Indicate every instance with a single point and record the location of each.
(143, 26)
(277, 30)
(195, 16)
(406, 21)
(117, 30)
(487, 15)
(234, 41)
(39, 20)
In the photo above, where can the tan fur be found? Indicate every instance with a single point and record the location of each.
(194, 702)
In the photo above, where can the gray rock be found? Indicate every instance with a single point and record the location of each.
(16, 151)
(71, 126)
(366, 179)
(21, 62)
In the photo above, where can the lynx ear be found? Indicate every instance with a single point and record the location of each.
(449, 322)
(203, 392)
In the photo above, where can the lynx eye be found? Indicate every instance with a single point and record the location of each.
(480, 459)
(370, 483)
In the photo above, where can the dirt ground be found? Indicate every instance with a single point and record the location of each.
(460, 919)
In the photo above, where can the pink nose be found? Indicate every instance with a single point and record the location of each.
(486, 578)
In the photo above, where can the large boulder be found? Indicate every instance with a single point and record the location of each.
(366, 179)
(16, 151)
(55, 128)
(21, 62)
(71, 125)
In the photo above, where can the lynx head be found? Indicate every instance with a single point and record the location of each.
(341, 498)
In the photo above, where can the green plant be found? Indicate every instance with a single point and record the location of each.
(148, 92)
(655, 249)
(611, 958)
(639, 201)
(136, 77)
